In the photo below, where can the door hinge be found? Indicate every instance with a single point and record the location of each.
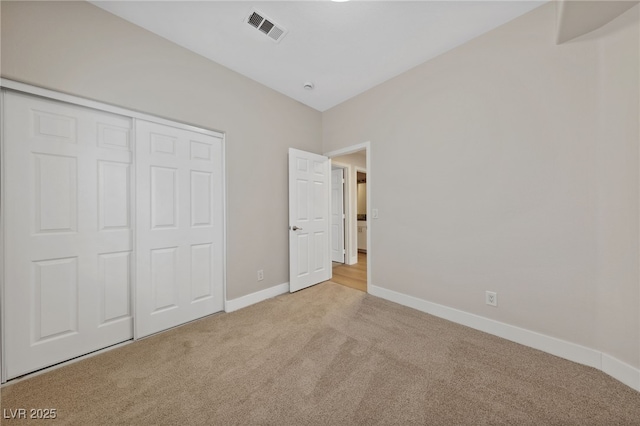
(344, 251)
(343, 216)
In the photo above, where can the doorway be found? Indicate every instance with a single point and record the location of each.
(338, 213)
(355, 272)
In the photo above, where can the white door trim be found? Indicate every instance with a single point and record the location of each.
(339, 218)
(350, 150)
(102, 106)
(3, 370)
(348, 209)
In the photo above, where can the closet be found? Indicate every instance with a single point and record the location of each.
(112, 226)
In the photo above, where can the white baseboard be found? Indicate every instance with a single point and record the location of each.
(617, 369)
(621, 371)
(253, 298)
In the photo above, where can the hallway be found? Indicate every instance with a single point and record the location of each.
(354, 276)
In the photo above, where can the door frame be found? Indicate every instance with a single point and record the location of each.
(346, 207)
(366, 146)
(3, 372)
(15, 86)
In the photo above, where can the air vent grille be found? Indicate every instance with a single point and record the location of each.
(276, 33)
(255, 19)
(266, 25)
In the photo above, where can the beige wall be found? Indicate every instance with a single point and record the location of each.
(525, 156)
(617, 174)
(77, 48)
(356, 160)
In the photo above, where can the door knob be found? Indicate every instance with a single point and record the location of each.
(295, 228)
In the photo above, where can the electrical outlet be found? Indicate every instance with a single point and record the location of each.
(374, 212)
(260, 275)
(491, 298)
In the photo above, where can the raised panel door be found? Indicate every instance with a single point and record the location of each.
(179, 226)
(309, 219)
(68, 234)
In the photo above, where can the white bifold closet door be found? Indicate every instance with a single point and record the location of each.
(70, 264)
(67, 231)
(179, 244)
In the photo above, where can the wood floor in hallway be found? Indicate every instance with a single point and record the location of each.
(354, 276)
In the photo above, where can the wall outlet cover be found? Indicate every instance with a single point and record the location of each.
(491, 298)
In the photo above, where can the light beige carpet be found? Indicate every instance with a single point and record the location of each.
(326, 355)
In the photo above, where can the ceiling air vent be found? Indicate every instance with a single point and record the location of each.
(266, 25)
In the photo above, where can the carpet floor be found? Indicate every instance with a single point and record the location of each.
(327, 355)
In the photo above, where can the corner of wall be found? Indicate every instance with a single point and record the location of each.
(615, 368)
(253, 298)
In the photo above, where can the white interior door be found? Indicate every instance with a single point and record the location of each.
(309, 216)
(68, 233)
(337, 215)
(179, 226)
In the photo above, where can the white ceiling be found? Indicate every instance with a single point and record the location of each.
(343, 48)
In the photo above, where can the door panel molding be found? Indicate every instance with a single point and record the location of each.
(53, 294)
(309, 219)
(115, 144)
(179, 227)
